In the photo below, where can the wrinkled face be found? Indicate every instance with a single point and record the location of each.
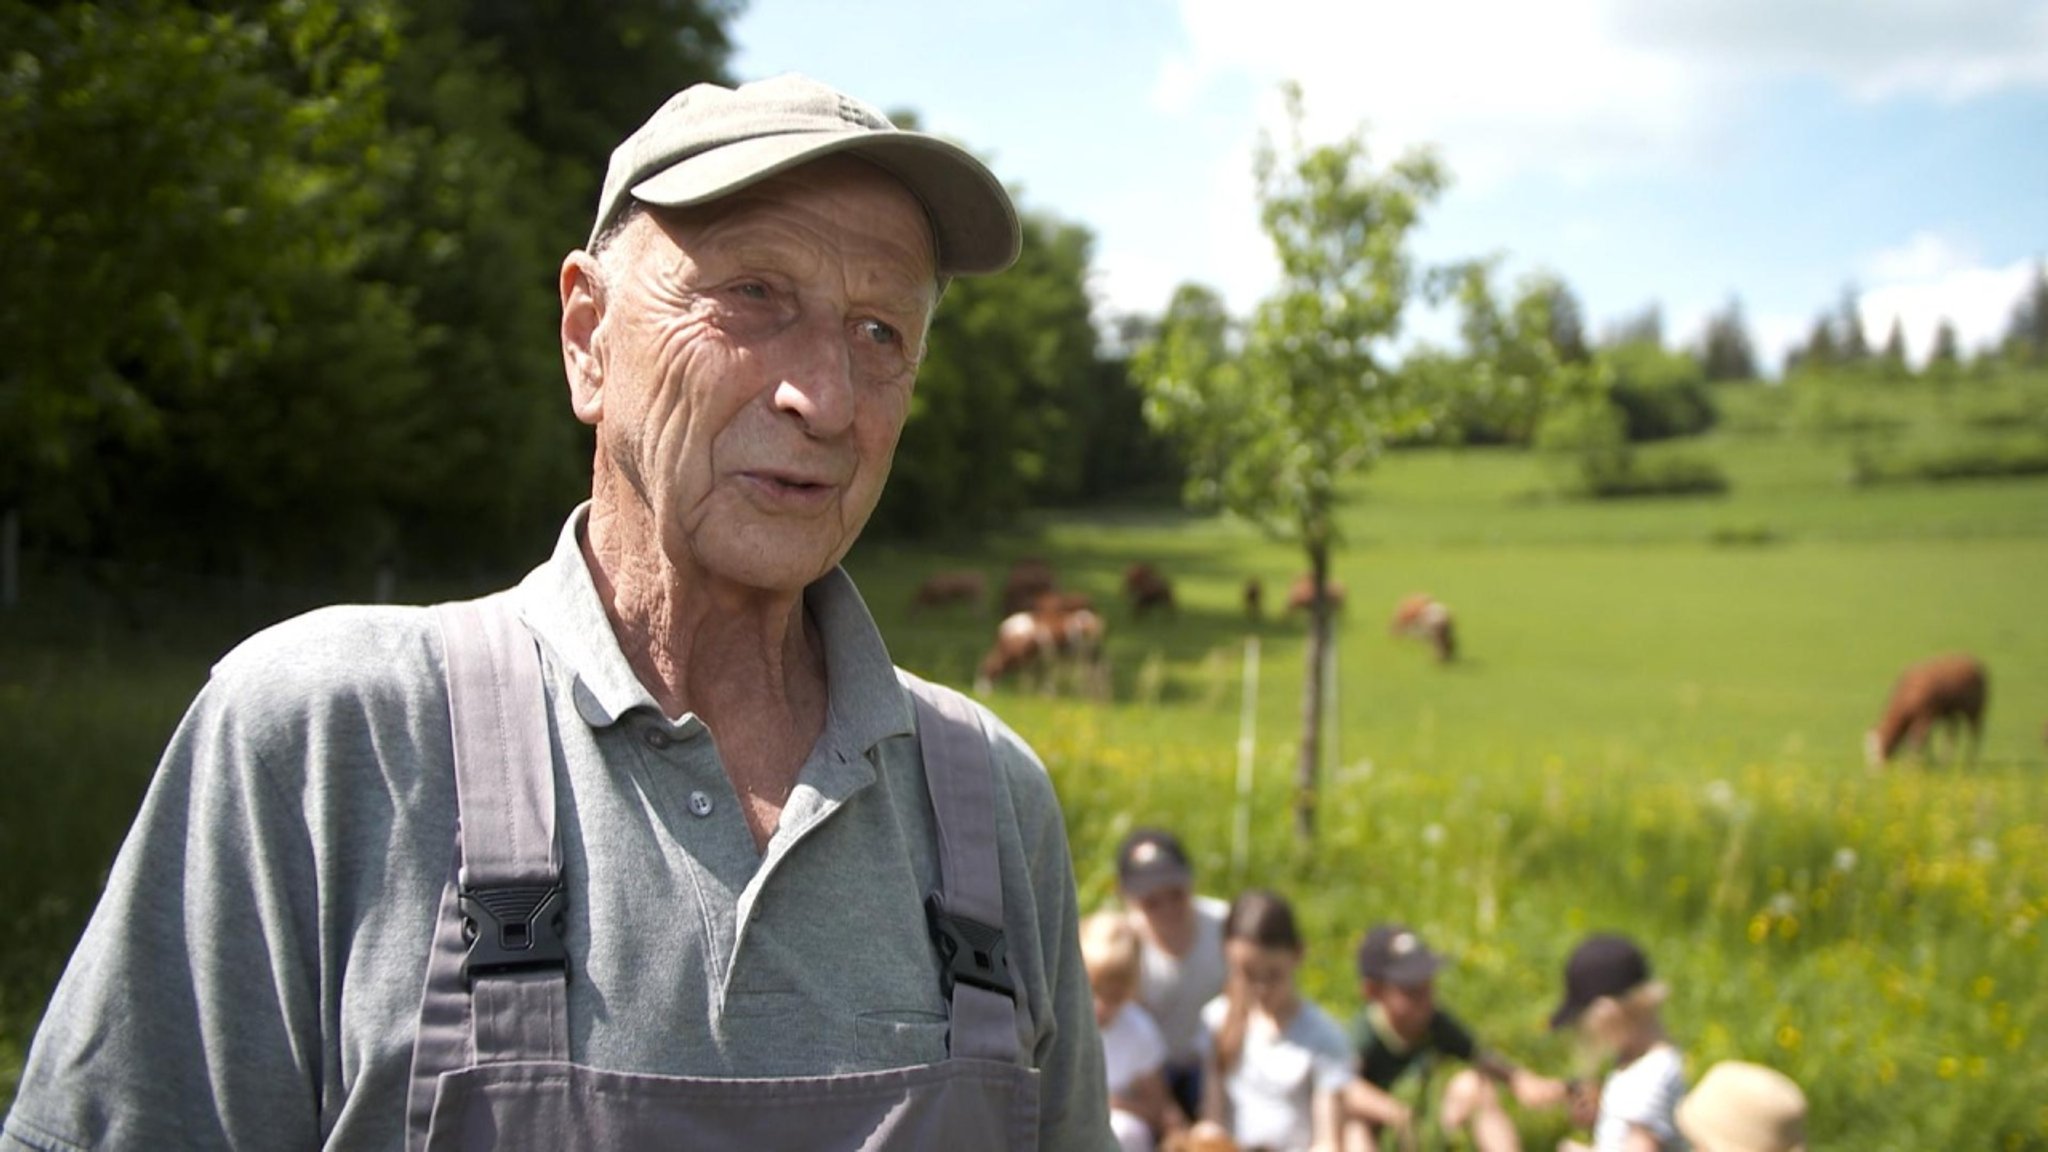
(750, 367)
(1264, 974)
(1408, 1008)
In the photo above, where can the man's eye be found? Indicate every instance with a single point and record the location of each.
(751, 290)
(880, 333)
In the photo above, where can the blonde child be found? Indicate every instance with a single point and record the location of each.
(1610, 997)
(1275, 1061)
(1133, 1052)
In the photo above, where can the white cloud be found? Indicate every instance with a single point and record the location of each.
(1576, 88)
(1874, 49)
(1977, 299)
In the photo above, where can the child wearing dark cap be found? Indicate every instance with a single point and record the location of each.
(1181, 958)
(1610, 997)
(1402, 1030)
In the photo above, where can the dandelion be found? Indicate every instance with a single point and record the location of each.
(1948, 1067)
(1887, 1070)
(1983, 850)
(1982, 987)
(1784, 904)
(1720, 795)
(1433, 835)
(1789, 1038)
(1845, 860)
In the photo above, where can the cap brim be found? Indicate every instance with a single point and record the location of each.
(1409, 971)
(1565, 1014)
(1155, 880)
(973, 222)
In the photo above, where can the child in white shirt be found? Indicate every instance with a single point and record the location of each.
(1133, 1051)
(1611, 998)
(1276, 1062)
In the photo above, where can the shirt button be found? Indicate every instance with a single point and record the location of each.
(700, 803)
(658, 739)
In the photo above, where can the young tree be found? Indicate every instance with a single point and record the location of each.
(1275, 427)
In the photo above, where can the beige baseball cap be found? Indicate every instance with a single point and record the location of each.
(1742, 1107)
(708, 141)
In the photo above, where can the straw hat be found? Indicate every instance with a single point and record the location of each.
(1743, 1107)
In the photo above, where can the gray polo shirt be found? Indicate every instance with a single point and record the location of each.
(252, 976)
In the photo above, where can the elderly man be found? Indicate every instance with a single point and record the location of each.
(722, 876)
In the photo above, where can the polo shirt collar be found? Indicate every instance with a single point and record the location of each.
(559, 602)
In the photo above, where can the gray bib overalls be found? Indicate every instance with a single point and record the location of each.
(491, 1065)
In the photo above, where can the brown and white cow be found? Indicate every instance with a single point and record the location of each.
(1424, 617)
(1945, 692)
(1303, 590)
(1057, 639)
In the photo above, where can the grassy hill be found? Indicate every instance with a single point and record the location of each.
(1655, 728)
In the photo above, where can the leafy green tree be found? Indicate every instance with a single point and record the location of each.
(1307, 399)
(1726, 352)
(192, 201)
(1001, 417)
(1496, 389)
(1660, 393)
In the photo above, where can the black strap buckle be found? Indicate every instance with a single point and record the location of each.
(970, 952)
(513, 928)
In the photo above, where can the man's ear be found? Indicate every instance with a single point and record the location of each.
(583, 304)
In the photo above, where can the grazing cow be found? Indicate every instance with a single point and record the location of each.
(1029, 579)
(1424, 617)
(1946, 691)
(1254, 595)
(943, 589)
(1045, 641)
(1303, 590)
(1148, 588)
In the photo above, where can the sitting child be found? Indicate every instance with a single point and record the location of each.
(1402, 1030)
(1276, 1063)
(1133, 1052)
(1610, 997)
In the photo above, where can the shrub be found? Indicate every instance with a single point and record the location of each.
(1669, 475)
(1994, 459)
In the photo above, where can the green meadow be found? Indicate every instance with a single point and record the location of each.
(1654, 727)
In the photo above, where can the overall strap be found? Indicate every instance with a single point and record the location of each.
(497, 974)
(966, 913)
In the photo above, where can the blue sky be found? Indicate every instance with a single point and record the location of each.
(1675, 152)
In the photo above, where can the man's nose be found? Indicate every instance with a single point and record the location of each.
(816, 384)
